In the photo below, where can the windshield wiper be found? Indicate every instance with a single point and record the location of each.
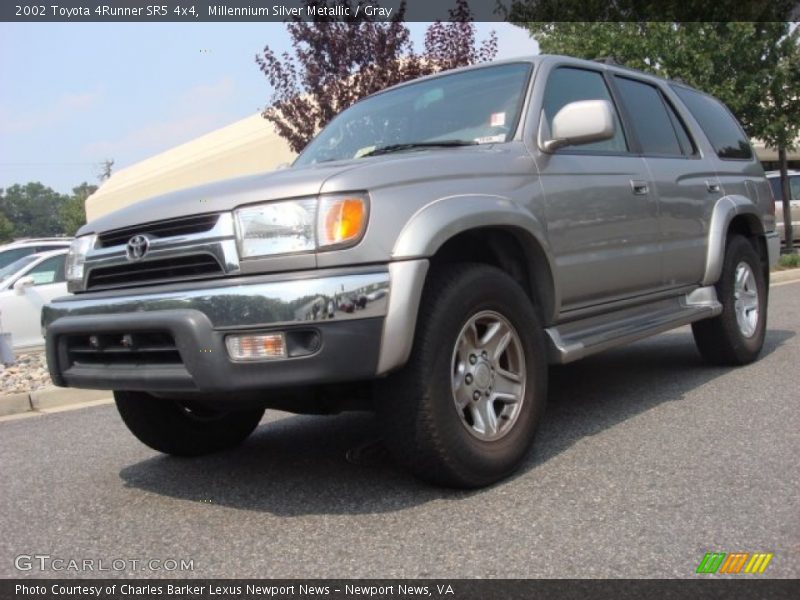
(412, 145)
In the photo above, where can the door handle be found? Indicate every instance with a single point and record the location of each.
(640, 188)
(713, 187)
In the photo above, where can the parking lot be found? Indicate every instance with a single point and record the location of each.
(647, 460)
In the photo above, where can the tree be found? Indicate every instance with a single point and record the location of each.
(6, 229)
(72, 213)
(751, 66)
(337, 62)
(33, 209)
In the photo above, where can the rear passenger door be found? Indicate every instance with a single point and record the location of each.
(686, 183)
(602, 217)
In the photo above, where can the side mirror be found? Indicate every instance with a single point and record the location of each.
(581, 122)
(22, 283)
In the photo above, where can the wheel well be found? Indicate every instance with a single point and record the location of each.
(751, 228)
(512, 250)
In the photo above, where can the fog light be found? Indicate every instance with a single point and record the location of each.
(262, 346)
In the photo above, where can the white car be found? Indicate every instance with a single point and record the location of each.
(17, 249)
(26, 285)
(774, 178)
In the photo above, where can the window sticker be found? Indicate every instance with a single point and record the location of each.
(497, 119)
(491, 139)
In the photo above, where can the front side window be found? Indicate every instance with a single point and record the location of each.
(724, 133)
(475, 106)
(567, 84)
(650, 118)
(50, 270)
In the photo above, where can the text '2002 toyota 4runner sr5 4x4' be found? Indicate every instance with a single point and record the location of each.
(431, 251)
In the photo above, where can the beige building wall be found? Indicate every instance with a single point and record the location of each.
(243, 148)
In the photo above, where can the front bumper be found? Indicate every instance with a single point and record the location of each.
(343, 313)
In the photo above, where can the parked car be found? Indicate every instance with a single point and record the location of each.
(19, 248)
(518, 214)
(774, 178)
(26, 285)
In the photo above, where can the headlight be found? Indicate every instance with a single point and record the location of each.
(76, 257)
(302, 225)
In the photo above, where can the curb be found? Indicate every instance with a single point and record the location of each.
(47, 399)
(784, 276)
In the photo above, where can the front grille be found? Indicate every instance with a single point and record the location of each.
(153, 271)
(159, 229)
(121, 349)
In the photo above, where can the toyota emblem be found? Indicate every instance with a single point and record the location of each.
(137, 247)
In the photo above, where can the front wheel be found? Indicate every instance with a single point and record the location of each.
(736, 336)
(183, 428)
(464, 409)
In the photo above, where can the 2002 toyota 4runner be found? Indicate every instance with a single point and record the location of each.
(431, 251)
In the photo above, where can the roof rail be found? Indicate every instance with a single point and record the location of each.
(606, 60)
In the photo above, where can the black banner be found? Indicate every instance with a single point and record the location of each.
(160, 11)
(320, 589)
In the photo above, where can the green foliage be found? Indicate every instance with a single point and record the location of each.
(789, 261)
(34, 210)
(73, 210)
(6, 229)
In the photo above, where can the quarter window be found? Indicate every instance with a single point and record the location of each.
(567, 85)
(723, 131)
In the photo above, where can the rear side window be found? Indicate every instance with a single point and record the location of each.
(794, 187)
(566, 85)
(651, 120)
(724, 133)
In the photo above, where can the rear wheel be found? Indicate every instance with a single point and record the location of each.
(183, 428)
(736, 336)
(464, 409)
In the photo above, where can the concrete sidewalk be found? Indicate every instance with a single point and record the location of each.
(50, 399)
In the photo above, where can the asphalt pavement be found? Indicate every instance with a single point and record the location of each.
(647, 459)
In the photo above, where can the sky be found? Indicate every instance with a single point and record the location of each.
(75, 94)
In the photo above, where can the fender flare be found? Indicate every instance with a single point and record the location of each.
(724, 211)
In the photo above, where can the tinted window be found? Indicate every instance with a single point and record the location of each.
(777, 190)
(567, 85)
(9, 256)
(650, 119)
(794, 188)
(722, 130)
(48, 271)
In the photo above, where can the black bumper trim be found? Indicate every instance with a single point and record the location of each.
(349, 351)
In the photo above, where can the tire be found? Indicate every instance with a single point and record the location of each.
(423, 426)
(736, 336)
(180, 429)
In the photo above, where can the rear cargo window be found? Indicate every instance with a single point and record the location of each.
(723, 131)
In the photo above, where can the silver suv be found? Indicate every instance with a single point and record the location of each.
(428, 255)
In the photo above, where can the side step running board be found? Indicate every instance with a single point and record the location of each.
(577, 339)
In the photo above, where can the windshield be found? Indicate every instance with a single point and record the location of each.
(15, 266)
(476, 106)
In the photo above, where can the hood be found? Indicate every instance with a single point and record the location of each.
(348, 175)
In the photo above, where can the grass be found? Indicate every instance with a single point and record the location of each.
(788, 261)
